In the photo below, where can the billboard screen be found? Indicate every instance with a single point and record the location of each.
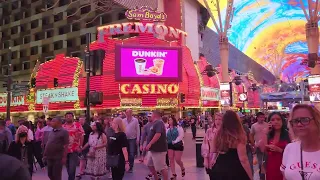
(136, 63)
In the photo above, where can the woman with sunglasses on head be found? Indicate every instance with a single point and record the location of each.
(278, 138)
(22, 148)
(205, 147)
(305, 125)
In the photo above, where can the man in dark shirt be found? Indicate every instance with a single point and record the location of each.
(56, 149)
(157, 146)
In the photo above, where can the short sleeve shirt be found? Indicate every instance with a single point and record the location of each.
(116, 142)
(260, 131)
(75, 131)
(57, 139)
(160, 145)
(291, 163)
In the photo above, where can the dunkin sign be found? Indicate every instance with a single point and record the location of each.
(15, 100)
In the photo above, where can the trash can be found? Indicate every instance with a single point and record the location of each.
(199, 158)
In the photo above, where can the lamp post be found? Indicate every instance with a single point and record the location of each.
(9, 82)
(87, 68)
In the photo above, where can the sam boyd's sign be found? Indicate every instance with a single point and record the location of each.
(58, 95)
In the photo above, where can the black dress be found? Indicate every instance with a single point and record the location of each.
(228, 167)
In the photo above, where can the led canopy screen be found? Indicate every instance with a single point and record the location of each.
(271, 32)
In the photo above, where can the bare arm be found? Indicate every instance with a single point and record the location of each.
(155, 138)
(125, 153)
(104, 142)
(242, 153)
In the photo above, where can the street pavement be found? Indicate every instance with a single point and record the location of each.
(140, 170)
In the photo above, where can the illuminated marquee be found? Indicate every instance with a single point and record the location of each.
(15, 100)
(138, 27)
(131, 102)
(210, 94)
(58, 95)
(149, 88)
(145, 13)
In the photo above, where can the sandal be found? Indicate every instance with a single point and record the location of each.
(174, 177)
(183, 172)
(80, 174)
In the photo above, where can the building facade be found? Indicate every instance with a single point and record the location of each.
(39, 29)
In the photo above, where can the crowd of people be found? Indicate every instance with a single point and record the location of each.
(284, 147)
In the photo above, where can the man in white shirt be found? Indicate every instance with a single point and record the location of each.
(133, 136)
(259, 131)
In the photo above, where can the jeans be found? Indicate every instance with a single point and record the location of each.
(250, 158)
(38, 153)
(132, 148)
(55, 169)
(72, 162)
(260, 161)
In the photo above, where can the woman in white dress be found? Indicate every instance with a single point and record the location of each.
(97, 157)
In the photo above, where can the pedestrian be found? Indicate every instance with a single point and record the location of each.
(305, 125)
(175, 134)
(278, 139)
(12, 169)
(132, 130)
(46, 131)
(229, 160)
(55, 153)
(157, 146)
(12, 128)
(5, 137)
(22, 148)
(108, 130)
(117, 157)
(30, 132)
(96, 158)
(166, 125)
(37, 143)
(87, 131)
(194, 127)
(76, 137)
(259, 131)
(205, 147)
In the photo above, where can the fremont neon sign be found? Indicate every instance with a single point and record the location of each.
(149, 88)
(138, 27)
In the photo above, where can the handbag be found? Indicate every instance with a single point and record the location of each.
(113, 160)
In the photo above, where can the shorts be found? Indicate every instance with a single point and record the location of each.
(157, 160)
(176, 147)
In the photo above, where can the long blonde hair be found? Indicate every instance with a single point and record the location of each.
(230, 133)
(21, 129)
(313, 111)
(118, 121)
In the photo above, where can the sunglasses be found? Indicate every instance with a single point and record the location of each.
(302, 120)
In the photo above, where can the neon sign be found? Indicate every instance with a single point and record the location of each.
(58, 95)
(145, 13)
(149, 88)
(15, 100)
(138, 27)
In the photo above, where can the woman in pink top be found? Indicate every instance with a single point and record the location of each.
(37, 143)
(205, 148)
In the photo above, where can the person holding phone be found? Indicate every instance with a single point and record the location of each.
(278, 139)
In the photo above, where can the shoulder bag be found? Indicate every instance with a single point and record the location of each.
(113, 160)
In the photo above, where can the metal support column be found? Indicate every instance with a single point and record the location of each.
(87, 64)
(9, 82)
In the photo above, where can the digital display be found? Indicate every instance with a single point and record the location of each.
(148, 63)
(270, 32)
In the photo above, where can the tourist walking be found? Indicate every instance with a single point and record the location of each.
(117, 157)
(205, 147)
(37, 143)
(96, 166)
(132, 131)
(22, 148)
(56, 149)
(278, 138)
(12, 128)
(259, 132)
(5, 137)
(175, 134)
(76, 137)
(83, 155)
(157, 146)
(305, 125)
(229, 160)
(193, 127)
(46, 131)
